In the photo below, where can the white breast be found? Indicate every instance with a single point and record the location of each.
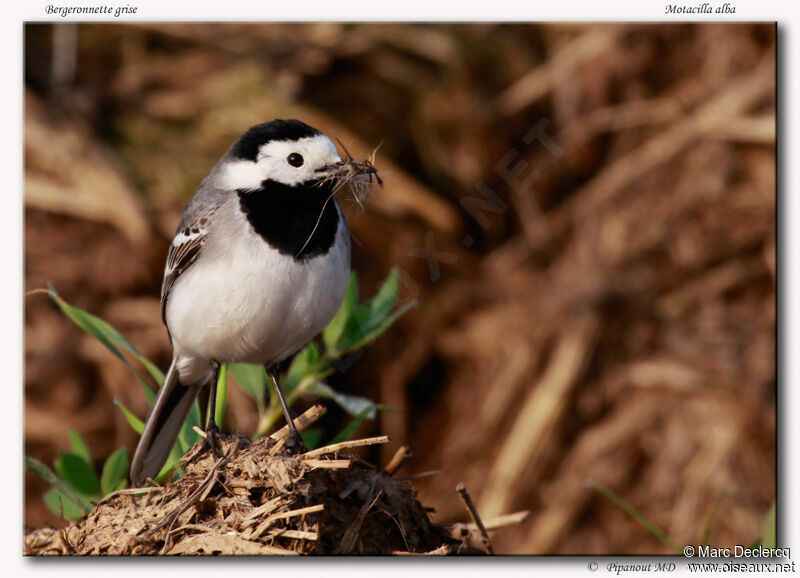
(243, 301)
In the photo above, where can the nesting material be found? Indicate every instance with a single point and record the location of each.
(356, 177)
(257, 500)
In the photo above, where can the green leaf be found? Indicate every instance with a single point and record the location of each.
(303, 365)
(358, 324)
(78, 474)
(367, 316)
(62, 505)
(352, 404)
(187, 437)
(370, 333)
(384, 299)
(110, 337)
(311, 437)
(252, 379)
(36, 467)
(628, 508)
(369, 320)
(222, 395)
(135, 422)
(768, 529)
(79, 446)
(335, 329)
(171, 464)
(115, 472)
(351, 428)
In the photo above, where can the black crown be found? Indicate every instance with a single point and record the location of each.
(279, 129)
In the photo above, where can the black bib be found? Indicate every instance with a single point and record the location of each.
(285, 217)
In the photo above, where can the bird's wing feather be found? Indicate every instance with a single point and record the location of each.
(184, 250)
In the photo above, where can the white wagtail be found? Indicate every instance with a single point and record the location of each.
(259, 266)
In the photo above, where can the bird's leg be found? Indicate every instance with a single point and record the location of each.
(212, 431)
(294, 443)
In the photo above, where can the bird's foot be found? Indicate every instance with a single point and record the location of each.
(294, 445)
(212, 441)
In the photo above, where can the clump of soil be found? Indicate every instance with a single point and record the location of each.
(257, 499)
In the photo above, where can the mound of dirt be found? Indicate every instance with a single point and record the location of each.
(257, 499)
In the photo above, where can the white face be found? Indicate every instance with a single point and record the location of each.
(278, 161)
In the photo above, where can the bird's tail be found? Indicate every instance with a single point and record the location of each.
(164, 422)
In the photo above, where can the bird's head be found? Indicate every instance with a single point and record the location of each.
(293, 154)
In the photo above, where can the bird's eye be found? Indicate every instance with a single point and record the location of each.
(295, 159)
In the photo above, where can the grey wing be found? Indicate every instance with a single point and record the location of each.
(184, 250)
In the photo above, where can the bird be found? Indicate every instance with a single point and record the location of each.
(259, 265)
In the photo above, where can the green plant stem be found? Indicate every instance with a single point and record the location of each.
(222, 395)
(628, 508)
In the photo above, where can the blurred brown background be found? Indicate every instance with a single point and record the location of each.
(586, 214)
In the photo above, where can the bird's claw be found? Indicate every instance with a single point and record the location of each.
(211, 441)
(294, 445)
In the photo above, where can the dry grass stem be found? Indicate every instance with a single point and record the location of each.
(345, 445)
